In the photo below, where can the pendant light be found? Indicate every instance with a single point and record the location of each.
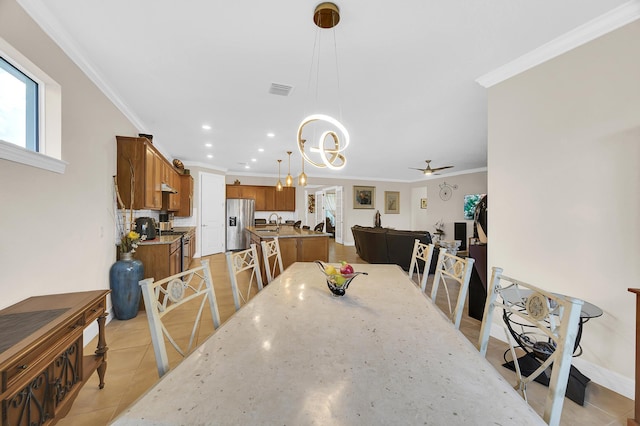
(279, 184)
(302, 179)
(326, 16)
(289, 180)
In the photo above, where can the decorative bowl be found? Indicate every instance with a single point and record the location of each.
(338, 283)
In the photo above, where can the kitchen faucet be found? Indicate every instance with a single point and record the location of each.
(278, 221)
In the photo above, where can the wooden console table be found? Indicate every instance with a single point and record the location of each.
(42, 365)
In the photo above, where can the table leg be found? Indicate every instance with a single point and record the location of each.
(102, 349)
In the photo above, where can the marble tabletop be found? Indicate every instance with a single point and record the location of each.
(297, 355)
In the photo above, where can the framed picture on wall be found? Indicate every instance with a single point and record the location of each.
(391, 202)
(364, 197)
(423, 203)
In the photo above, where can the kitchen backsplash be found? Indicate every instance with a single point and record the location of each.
(177, 221)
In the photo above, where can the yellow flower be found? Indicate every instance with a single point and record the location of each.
(133, 235)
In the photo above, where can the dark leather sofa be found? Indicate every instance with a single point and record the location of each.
(383, 245)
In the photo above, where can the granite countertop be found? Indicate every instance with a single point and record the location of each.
(168, 239)
(164, 239)
(268, 232)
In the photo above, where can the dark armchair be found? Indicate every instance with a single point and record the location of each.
(329, 229)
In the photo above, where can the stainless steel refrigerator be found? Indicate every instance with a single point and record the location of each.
(240, 214)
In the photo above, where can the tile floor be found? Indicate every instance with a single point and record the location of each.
(132, 370)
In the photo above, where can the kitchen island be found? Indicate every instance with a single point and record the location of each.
(296, 245)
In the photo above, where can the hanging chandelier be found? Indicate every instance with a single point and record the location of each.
(333, 136)
(279, 184)
(289, 180)
(302, 179)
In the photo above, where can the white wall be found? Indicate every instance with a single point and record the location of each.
(58, 229)
(564, 184)
(451, 210)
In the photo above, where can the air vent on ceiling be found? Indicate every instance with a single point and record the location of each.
(280, 89)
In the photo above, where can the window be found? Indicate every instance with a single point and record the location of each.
(30, 113)
(18, 107)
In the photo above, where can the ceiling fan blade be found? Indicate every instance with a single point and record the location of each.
(441, 168)
(413, 168)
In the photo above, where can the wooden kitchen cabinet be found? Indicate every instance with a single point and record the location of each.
(159, 259)
(43, 364)
(185, 191)
(267, 198)
(138, 173)
(173, 180)
(141, 171)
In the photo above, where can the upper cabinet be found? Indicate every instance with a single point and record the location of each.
(267, 198)
(141, 172)
(185, 192)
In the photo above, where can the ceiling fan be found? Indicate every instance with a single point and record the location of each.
(428, 170)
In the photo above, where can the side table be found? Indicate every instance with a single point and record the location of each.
(529, 362)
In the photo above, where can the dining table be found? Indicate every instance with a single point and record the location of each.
(295, 354)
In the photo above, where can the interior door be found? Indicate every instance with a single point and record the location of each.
(338, 226)
(319, 208)
(212, 217)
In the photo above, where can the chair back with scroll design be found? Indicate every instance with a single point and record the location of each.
(452, 272)
(244, 269)
(163, 297)
(272, 258)
(319, 227)
(297, 224)
(421, 256)
(539, 322)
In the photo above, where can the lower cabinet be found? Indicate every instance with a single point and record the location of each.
(160, 260)
(42, 363)
(292, 249)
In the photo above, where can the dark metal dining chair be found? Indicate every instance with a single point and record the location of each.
(319, 227)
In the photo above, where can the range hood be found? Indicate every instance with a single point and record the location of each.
(166, 188)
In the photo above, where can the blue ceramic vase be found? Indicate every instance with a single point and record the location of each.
(124, 276)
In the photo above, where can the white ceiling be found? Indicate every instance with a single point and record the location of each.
(407, 74)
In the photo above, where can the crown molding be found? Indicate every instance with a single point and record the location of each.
(51, 26)
(610, 21)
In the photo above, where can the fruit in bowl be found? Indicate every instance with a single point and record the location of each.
(338, 280)
(346, 269)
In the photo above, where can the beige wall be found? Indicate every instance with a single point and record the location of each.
(58, 229)
(564, 184)
(451, 210)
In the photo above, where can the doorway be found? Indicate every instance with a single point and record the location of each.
(212, 213)
(329, 207)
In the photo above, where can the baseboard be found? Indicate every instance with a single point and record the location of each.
(598, 374)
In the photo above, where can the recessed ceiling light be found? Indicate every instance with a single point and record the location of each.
(206, 127)
(209, 156)
(260, 149)
(208, 145)
(254, 160)
(271, 135)
(247, 166)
